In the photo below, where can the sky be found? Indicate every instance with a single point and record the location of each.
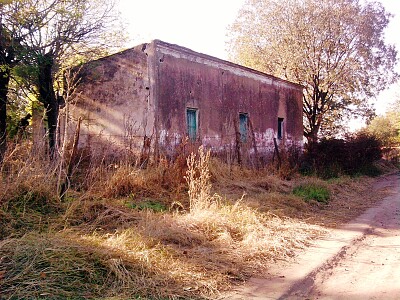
(196, 24)
(201, 25)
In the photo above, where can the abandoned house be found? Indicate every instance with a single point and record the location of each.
(155, 96)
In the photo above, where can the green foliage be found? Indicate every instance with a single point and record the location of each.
(12, 120)
(18, 108)
(386, 128)
(43, 39)
(312, 192)
(148, 204)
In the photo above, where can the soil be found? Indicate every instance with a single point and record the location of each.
(360, 260)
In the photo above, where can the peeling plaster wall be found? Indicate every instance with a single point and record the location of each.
(145, 91)
(220, 90)
(115, 104)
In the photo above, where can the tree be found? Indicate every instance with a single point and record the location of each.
(386, 128)
(52, 31)
(8, 59)
(334, 48)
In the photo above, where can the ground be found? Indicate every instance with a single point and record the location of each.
(360, 260)
(191, 230)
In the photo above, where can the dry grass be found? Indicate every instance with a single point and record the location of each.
(350, 197)
(23, 172)
(28, 197)
(95, 245)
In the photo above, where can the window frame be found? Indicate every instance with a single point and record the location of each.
(280, 131)
(243, 126)
(192, 131)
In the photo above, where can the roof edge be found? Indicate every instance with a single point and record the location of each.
(222, 61)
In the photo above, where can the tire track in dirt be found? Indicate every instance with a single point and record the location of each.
(361, 260)
(307, 285)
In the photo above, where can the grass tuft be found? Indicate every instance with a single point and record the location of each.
(312, 192)
(148, 205)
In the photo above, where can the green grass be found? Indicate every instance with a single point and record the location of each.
(148, 205)
(312, 192)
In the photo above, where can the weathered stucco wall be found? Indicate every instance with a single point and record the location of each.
(220, 91)
(146, 91)
(113, 100)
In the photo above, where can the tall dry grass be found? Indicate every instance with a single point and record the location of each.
(231, 236)
(233, 222)
(198, 181)
(28, 191)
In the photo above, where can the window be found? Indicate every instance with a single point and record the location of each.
(280, 128)
(243, 123)
(191, 116)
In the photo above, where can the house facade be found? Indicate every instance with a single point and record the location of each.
(155, 96)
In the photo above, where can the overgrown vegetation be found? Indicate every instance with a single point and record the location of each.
(184, 229)
(312, 192)
(386, 129)
(354, 155)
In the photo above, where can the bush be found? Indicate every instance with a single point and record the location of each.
(355, 155)
(362, 151)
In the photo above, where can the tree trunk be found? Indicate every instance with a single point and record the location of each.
(49, 99)
(4, 80)
(312, 136)
(315, 110)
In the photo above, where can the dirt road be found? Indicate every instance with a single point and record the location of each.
(360, 260)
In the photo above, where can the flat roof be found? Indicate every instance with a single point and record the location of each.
(221, 61)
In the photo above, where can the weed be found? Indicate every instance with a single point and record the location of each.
(198, 180)
(28, 196)
(312, 192)
(148, 205)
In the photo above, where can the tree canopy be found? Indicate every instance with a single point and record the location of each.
(386, 128)
(334, 48)
(49, 33)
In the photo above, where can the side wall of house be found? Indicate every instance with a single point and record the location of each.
(113, 99)
(221, 96)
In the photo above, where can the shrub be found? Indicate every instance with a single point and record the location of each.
(362, 151)
(354, 155)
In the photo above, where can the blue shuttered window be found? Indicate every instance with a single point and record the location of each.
(243, 124)
(191, 115)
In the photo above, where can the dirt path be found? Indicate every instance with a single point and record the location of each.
(361, 260)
